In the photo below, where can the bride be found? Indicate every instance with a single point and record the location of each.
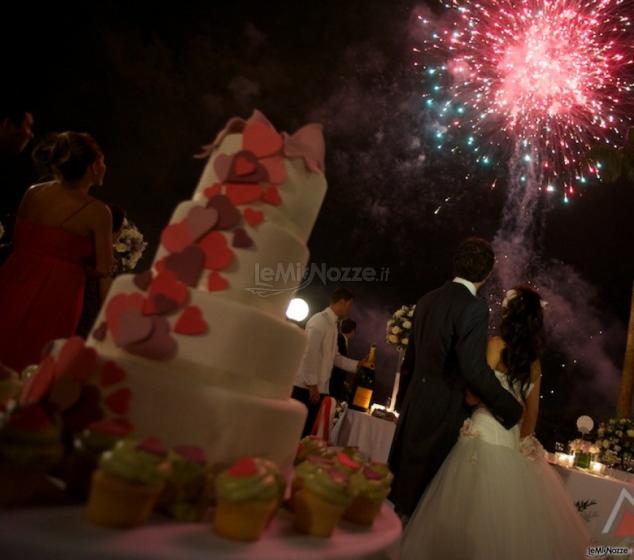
(495, 496)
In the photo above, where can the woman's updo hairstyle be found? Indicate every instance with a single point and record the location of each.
(67, 155)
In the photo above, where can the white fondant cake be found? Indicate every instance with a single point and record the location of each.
(208, 354)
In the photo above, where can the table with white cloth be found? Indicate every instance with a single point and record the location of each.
(606, 503)
(373, 436)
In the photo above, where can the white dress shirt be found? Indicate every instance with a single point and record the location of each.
(469, 285)
(321, 352)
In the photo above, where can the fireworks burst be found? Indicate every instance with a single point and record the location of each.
(547, 79)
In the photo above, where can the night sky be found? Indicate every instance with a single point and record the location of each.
(153, 84)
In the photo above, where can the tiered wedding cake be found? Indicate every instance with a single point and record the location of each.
(209, 356)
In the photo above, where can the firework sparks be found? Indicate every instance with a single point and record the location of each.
(547, 77)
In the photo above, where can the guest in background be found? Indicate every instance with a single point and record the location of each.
(16, 172)
(313, 376)
(59, 227)
(92, 295)
(337, 386)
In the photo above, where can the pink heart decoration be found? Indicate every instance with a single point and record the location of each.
(132, 326)
(217, 254)
(253, 217)
(162, 305)
(246, 169)
(111, 374)
(261, 139)
(167, 284)
(120, 303)
(272, 196)
(212, 191)
(100, 332)
(241, 239)
(228, 214)
(240, 194)
(243, 165)
(160, 346)
(176, 237)
(191, 322)
(188, 264)
(222, 166)
(308, 143)
(119, 401)
(142, 280)
(216, 282)
(275, 169)
(200, 220)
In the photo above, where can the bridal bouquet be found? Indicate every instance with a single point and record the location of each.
(615, 440)
(399, 327)
(128, 246)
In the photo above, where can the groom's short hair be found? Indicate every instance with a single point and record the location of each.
(474, 259)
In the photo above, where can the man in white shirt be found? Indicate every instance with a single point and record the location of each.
(321, 354)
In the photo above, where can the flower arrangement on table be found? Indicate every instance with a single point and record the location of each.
(615, 443)
(128, 247)
(399, 327)
(584, 452)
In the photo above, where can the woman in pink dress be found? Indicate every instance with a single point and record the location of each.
(59, 229)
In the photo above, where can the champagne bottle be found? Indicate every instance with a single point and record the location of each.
(364, 386)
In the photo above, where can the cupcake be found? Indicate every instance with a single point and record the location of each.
(10, 386)
(30, 445)
(247, 495)
(320, 502)
(305, 469)
(355, 454)
(310, 445)
(127, 483)
(370, 486)
(346, 464)
(88, 446)
(184, 497)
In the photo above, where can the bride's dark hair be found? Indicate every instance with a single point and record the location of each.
(522, 330)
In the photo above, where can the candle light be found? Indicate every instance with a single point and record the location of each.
(564, 459)
(597, 468)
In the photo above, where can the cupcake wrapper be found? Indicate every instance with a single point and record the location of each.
(363, 511)
(243, 521)
(314, 515)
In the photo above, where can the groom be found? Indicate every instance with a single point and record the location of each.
(446, 355)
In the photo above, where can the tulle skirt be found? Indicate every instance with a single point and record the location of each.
(490, 502)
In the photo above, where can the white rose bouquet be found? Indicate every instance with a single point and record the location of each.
(128, 246)
(399, 327)
(615, 439)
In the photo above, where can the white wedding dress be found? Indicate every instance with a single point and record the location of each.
(489, 501)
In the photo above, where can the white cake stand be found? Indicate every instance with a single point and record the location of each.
(63, 533)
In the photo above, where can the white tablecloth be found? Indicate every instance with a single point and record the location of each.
(373, 436)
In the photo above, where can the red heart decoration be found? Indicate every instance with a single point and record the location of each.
(243, 166)
(119, 401)
(159, 266)
(191, 453)
(65, 392)
(100, 332)
(142, 280)
(76, 360)
(212, 191)
(272, 196)
(37, 386)
(152, 445)
(253, 217)
(160, 346)
(217, 254)
(113, 426)
(229, 215)
(188, 264)
(120, 303)
(215, 282)
(241, 239)
(240, 194)
(243, 467)
(200, 220)
(261, 139)
(111, 374)
(222, 166)
(191, 322)
(133, 326)
(275, 169)
(161, 305)
(167, 283)
(176, 237)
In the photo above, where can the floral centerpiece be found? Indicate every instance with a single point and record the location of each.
(128, 246)
(615, 440)
(399, 327)
(584, 452)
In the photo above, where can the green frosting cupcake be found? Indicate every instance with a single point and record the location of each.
(346, 464)
(371, 482)
(311, 465)
(329, 484)
(272, 469)
(354, 454)
(31, 438)
(247, 480)
(142, 463)
(310, 445)
(101, 436)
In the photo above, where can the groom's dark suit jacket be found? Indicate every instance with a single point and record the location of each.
(446, 354)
